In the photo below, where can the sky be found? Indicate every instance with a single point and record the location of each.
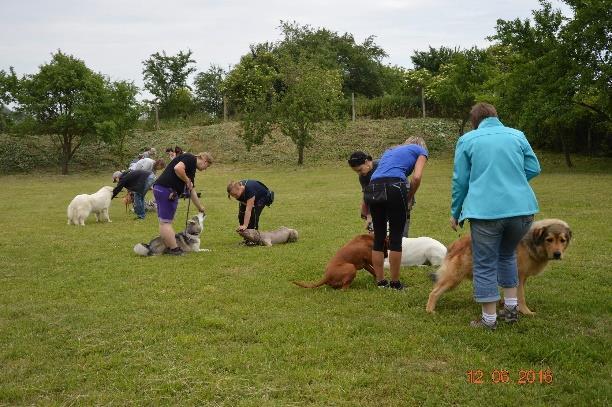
(114, 36)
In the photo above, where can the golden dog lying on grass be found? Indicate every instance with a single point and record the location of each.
(546, 240)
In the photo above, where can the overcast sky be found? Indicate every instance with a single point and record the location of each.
(114, 36)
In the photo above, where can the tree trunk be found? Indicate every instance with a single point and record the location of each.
(353, 104)
(66, 148)
(224, 108)
(568, 160)
(300, 154)
(423, 100)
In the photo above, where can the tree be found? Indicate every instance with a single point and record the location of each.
(360, 64)
(433, 59)
(555, 82)
(70, 103)
(313, 95)
(272, 91)
(208, 90)
(459, 82)
(164, 75)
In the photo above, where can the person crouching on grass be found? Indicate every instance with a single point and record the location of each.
(177, 179)
(252, 197)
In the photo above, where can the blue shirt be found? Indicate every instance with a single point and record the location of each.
(398, 162)
(493, 166)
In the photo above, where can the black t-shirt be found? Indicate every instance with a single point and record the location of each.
(169, 179)
(364, 180)
(253, 188)
(134, 181)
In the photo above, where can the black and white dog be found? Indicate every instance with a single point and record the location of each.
(188, 240)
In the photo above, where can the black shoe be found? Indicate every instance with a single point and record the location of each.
(480, 323)
(396, 285)
(382, 284)
(510, 315)
(249, 243)
(177, 251)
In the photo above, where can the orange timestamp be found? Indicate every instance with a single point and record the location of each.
(497, 376)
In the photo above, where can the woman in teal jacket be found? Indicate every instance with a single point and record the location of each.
(490, 188)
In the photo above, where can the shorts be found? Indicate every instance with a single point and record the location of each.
(166, 208)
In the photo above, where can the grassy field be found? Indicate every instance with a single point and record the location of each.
(85, 321)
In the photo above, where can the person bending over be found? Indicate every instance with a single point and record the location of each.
(138, 182)
(177, 180)
(390, 198)
(252, 197)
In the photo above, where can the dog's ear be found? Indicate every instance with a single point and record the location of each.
(569, 234)
(538, 235)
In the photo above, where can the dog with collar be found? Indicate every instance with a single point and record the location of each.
(280, 235)
(188, 239)
(421, 251)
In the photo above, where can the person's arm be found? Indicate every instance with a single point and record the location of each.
(460, 183)
(179, 170)
(196, 201)
(415, 180)
(532, 165)
(118, 188)
(247, 214)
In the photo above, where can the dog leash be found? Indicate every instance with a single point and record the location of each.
(188, 204)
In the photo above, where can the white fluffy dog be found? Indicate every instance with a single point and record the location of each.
(417, 251)
(83, 205)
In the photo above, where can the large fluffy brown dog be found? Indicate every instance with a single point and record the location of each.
(342, 268)
(546, 240)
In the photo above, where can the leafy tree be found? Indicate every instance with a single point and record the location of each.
(359, 64)
(70, 103)
(180, 104)
(164, 75)
(555, 80)
(121, 112)
(208, 90)
(313, 95)
(458, 84)
(433, 59)
(271, 91)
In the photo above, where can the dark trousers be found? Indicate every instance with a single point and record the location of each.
(255, 214)
(394, 211)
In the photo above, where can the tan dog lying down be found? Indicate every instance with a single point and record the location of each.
(280, 235)
(342, 268)
(546, 240)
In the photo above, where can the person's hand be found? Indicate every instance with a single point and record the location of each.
(202, 210)
(189, 185)
(241, 228)
(453, 223)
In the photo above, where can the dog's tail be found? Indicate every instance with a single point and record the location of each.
(70, 213)
(142, 249)
(310, 285)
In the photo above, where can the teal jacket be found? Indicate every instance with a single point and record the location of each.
(493, 166)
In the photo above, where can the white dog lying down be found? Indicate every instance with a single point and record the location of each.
(83, 205)
(417, 251)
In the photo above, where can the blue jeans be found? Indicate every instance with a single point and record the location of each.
(494, 254)
(139, 208)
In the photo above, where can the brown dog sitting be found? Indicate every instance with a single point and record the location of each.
(546, 240)
(342, 268)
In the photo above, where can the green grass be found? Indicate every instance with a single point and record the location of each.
(85, 321)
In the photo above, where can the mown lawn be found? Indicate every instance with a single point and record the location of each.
(85, 321)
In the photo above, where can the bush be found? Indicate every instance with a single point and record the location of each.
(387, 107)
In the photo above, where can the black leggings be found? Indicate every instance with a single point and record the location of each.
(255, 214)
(394, 211)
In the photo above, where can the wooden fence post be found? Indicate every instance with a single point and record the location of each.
(353, 104)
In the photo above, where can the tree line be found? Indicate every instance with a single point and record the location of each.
(550, 76)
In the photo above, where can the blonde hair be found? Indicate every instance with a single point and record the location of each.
(206, 157)
(416, 140)
(231, 186)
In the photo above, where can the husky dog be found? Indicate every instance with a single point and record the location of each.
(83, 205)
(188, 240)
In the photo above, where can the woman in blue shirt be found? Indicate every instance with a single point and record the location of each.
(490, 187)
(390, 179)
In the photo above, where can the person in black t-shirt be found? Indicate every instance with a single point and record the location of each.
(363, 165)
(175, 181)
(252, 197)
